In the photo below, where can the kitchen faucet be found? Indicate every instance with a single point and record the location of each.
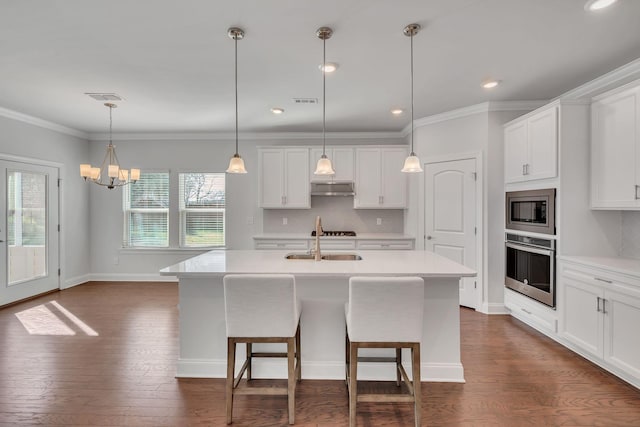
(319, 232)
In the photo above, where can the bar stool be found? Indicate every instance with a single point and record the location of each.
(262, 308)
(384, 312)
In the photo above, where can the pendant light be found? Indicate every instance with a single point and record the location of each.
(236, 164)
(412, 163)
(324, 164)
(109, 174)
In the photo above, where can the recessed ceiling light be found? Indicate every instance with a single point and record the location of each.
(397, 111)
(593, 5)
(490, 84)
(329, 67)
(277, 110)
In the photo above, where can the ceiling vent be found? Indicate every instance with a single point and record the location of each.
(105, 96)
(305, 101)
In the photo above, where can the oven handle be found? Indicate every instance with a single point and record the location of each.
(525, 248)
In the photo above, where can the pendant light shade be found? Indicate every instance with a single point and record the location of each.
(324, 166)
(236, 164)
(412, 163)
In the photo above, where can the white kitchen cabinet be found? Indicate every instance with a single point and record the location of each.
(342, 159)
(531, 147)
(284, 178)
(615, 148)
(379, 182)
(398, 244)
(600, 316)
(291, 244)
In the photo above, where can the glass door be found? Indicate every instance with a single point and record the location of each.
(29, 250)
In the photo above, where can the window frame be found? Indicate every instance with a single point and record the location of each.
(127, 211)
(183, 211)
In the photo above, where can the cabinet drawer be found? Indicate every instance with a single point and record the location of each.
(282, 244)
(335, 244)
(386, 244)
(531, 313)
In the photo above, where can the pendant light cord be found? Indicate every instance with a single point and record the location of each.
(236, 83)
(324, 92)
(412, 152)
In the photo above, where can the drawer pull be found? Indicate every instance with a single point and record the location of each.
(526, 311)
(598, 305)
(602, 280)
(604, 306)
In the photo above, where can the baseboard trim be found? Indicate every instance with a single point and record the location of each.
(217, 368)
(75, 281)
(494, 308)
(130, 277)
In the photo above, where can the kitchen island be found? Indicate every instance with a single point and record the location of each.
(323, 289)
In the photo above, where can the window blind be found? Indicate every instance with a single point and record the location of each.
(202, 209)
(146, 211)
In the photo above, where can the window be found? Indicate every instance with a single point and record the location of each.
(146, 211)
(202, 209)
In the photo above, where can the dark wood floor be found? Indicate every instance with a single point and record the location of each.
(124, 374)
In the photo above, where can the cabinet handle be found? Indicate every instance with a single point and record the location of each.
(527, 168)
(598, 305)
(604, 306)
(526, 311)
(602, 280)
(637, 186)
(523, 169)
(380, 200)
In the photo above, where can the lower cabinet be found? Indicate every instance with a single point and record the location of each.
(601, 315)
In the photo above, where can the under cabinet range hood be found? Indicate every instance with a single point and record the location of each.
(333, 188)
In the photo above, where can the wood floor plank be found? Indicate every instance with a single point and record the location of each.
(124, 375)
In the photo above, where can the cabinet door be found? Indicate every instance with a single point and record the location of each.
(394, 182)
(614, 151)
(542, 145)
(515, 152)
(368, 178)
(582, 319)
(296, 180)
(621, 339)
(272, 178)
(343, 163)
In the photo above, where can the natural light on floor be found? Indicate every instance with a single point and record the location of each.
(41, 320)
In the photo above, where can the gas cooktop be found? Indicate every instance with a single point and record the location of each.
(336, 233)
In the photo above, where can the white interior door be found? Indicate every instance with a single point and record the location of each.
(29, 249)
(450, 217)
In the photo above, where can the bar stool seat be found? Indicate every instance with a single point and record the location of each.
(262, 308)
(384, 312)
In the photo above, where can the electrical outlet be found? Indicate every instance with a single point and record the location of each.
(285, 221)
(378, 221)
(249, 220)
(116, 260)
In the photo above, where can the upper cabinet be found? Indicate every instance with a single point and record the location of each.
(615, 149)
(284, 178)
(531, 147)
(341, 159)
(379, 182)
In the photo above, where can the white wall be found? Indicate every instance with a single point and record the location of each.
(26, 140)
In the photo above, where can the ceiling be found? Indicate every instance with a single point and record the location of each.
(172, 61)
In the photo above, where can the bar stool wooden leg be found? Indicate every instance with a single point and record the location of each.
(249, 351)
(417, 392)
(231, 363)
(291, 389)
(298, 356)
(398, 363)
(353, 383)
(346, 358)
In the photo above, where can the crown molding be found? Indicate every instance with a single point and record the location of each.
(605, 81)
(485, 107)
(25, 118)
(210, 136)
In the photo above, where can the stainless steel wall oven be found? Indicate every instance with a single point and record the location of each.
(530, 267)
(531, 210)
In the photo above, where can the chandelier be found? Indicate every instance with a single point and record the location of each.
(109, 174)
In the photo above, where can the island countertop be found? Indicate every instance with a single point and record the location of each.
(373, 262)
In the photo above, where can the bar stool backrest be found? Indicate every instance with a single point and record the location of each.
(261, 305)
(385, 309)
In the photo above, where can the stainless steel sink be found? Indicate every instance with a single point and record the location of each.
(326, 257)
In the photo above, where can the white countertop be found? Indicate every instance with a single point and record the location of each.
(360, 236)
(374, 262)
(628, 266)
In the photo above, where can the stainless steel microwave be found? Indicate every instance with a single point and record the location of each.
(531, 210)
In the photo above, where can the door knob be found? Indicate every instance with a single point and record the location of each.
(429, 237)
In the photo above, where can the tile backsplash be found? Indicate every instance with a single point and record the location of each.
(337, 214)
